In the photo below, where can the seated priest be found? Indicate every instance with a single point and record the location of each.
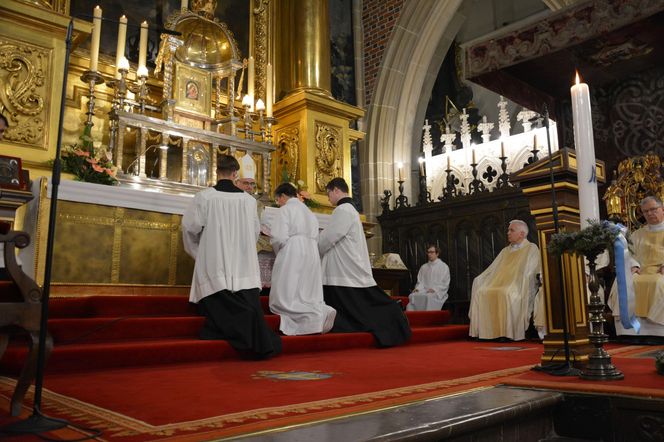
(433, 280)
(503, 295)
(647, 261)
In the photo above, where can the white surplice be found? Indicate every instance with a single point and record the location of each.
(296, 294)
(344, 252)
(503, 296)
(433, 275)
(220, 230)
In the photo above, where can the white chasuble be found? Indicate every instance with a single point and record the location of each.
(503, 295)
(296, 294)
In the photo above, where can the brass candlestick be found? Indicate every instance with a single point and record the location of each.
(269, 122)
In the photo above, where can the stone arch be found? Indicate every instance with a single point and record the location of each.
(414, 54)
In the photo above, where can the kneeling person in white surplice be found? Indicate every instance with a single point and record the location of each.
(503, 295)
(647, 268)
(433, 280)
(348, 283)
(219, 230)
(297, 288)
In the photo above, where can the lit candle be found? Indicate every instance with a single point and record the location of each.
(268, 90)
(122, 40)
(96, 36)
(184, 4)
(502, 149)
(124, 64)
(246, 101)
(260, 106)
(250, 80)
(142, 71)
(448, 163)
(474, 157)
(585, 152)
(143, 45)
(400, 167)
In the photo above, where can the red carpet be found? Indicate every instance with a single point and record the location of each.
(232, 397)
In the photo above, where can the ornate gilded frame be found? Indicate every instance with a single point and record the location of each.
(193, 90)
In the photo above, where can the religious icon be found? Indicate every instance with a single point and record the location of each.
(191, 90)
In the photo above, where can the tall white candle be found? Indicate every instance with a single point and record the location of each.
(268, 90)
(585, 152)
(400, 167)
(250, 80)
(143, 45)
(96, 36)
(122, 40)
(184, 4)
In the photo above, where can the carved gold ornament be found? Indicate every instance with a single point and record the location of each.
(288, 141)
(23, 69)
(328, 155)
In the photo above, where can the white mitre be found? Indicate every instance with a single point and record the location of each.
(247, 167)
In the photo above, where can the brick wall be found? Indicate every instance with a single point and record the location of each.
(378, 19)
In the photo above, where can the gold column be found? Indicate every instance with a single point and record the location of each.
(303, 46)
(312, 133)
(570, 279)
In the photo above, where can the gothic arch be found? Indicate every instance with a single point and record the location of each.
(414, 54)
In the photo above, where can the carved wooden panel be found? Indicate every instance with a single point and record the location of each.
(24, 76)
(329, 154)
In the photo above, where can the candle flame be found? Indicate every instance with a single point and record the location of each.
(399, 164)
(421, 160)
(578, 80)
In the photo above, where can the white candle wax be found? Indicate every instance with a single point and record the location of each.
(96, 36)
(448, 162)
(122, 40)
(502, 149)
(400, 167)
(585, 153)
(250, 80)
(143, 45)
(268, 90)
(184, 4)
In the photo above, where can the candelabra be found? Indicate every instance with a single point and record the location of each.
(450, 190)
(92, 78)
(142, 92)
(425, 196)
(476, 185)
(504, 178)
(402, 200)
(248, 122)
(599, 362)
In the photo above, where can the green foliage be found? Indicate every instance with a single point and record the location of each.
(589, 242)
(87, 163)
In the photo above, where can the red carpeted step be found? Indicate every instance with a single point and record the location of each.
(97, 355)
(116, 306)
(428, 319)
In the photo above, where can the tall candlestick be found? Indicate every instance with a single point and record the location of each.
(268, 90)
(250, 80)
(122, 40)
(585, 152)
(143, 45)
(96, 35)
(400, 167)
(184, 4)
(502, 149)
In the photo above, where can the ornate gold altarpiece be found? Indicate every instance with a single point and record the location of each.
(569, 280)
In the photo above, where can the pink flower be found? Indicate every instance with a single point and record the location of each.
(97, 168)
(81, 153)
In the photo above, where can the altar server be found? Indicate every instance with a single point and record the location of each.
(297, 289)
(647, 269)
(219, 228)
(503, 295)
(433, 280)
(348, 284)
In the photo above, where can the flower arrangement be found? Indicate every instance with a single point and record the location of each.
(87, 163)
(304, 196)
(589, 242)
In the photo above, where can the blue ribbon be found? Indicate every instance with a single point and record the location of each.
(627, 318)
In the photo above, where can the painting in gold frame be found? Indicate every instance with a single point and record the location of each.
(192, 90)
